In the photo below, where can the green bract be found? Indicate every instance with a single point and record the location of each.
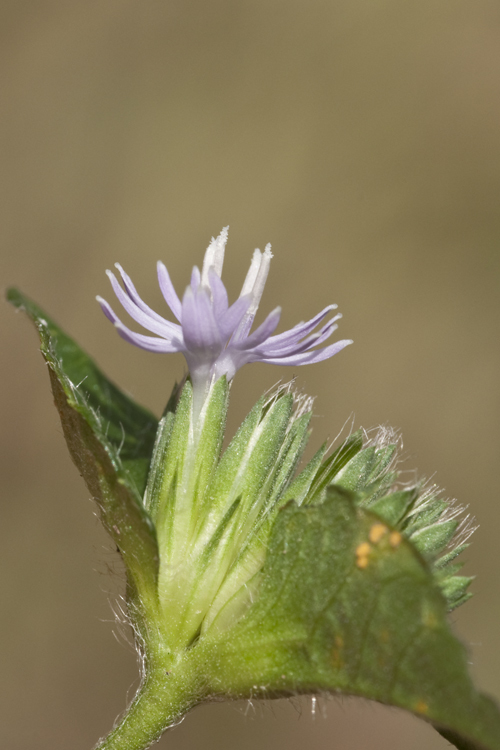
(248, 576)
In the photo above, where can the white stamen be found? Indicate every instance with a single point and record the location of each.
(214, 257)
(260, 280)
(252, 274)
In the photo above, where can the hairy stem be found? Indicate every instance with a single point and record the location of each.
(161, 702)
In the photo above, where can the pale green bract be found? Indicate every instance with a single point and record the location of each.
(250, 574)
(213, 516)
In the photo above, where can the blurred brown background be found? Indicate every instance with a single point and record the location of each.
(361, 139)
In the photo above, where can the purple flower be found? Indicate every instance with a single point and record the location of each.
(214, 336)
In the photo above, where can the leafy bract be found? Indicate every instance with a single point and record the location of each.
(348, 605)
(419, 513)
(110, 439)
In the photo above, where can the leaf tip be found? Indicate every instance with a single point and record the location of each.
(15, 297)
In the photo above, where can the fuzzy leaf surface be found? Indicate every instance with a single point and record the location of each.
(110, 439)
(126, 427)
(348, 605)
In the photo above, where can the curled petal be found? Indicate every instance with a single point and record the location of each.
(261, 333)
(134, 295)
(168, 291)
(267, 352)
(314, 339)
(309, 357)
(327, 330)
(107, 310)
(151, 343)
(154, 324)
(301, 329)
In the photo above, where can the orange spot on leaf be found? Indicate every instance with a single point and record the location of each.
(363, 549)
(362, 552)
(395, 539)
(377, 531)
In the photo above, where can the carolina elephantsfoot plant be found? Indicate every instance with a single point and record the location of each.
(247, 576)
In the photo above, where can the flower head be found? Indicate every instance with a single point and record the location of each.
(214, 336)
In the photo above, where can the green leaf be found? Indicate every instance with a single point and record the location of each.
(348, 605)
(343, 457)
(156, 478)
(249, 466)
(110, 439)
(425, 513)
(444, 561)
(127, 428)
(357, 472)
(210, 444)
(290, 455)
(393, 508)
(455, 588)
(301, 485)
(168, 463)
(431, 540)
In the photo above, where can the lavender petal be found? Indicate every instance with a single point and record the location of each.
(134, 295)
(293, 347)
(195, 278)
(231, 319)
(163, 328)
(151, 343)
(199, 326)
(326, 331)
(295, 344)
(262, 333)
(308, 358)
(267, 352)
(167, 289)
(301, 329)
(107, 309)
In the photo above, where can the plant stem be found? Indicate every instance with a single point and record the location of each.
(161, 702)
